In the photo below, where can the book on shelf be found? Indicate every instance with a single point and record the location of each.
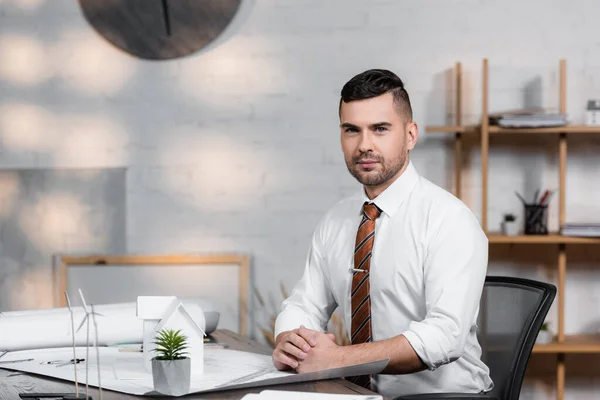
(533, 120)
(587, 229)
(528, 118)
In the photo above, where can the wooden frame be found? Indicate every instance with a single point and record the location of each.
(243, 261)
(564, 344)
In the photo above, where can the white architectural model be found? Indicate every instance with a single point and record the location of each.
(169, 312)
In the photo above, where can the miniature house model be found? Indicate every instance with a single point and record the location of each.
(169, 312)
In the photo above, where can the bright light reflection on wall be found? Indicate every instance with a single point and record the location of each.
(72, 139)
(23, 60)
(94, 66)
(28, 5)
(53, 219)
(36, 293)
(90, 140)
(222, 74)
(226, 175)
(26, 127)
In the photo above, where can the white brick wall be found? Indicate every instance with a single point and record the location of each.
(236, 148)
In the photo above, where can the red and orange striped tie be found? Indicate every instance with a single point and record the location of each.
(360, 295)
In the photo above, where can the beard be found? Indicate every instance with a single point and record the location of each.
(381, 173)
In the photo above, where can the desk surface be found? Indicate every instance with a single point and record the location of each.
(10, 387)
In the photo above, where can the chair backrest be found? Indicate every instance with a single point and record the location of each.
(511, 314)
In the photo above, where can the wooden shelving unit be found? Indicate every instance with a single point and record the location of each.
(563, 344)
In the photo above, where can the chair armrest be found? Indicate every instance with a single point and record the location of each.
(449, 396)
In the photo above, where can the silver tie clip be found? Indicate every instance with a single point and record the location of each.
(357, 270)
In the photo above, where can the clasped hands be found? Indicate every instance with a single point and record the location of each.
(305, 350)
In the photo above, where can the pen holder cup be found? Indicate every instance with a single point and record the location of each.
(536, 219)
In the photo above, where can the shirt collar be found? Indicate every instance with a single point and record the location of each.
(390, 199)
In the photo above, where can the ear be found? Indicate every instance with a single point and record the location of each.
(412, 135)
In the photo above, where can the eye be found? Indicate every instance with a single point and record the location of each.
(381, 129)
(350, 130)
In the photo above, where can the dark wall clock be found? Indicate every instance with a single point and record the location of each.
(159, 29)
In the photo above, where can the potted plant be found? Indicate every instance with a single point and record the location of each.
(509, 225)
(171, 368)
(545, 335)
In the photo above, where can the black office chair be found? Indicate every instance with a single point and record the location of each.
(511, 314)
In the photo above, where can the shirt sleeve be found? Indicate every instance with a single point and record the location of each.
(311, 302)
(454, 275)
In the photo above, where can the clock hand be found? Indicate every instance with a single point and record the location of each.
(165, 8)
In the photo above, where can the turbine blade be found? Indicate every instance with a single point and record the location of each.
(68, 300)
(83, 301)
(82, 322)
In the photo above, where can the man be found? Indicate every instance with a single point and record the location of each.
(404, 260)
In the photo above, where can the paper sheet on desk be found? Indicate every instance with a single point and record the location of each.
(223, 370)
(289, 395)
(267, 380)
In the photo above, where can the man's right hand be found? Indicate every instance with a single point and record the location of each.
(290, 347)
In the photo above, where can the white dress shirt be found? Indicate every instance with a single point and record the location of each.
(428, 268)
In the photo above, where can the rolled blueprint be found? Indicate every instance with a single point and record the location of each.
(34, 329)
(50, 328)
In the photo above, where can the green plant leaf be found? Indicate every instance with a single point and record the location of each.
(170, 345)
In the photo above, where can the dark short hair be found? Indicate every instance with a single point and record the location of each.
(373, 83)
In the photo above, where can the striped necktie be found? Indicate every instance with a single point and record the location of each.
(360, 295)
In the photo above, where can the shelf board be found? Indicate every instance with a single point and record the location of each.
(550, 130)
(541, 239)
(445, 129)
(452, 129)
(573, 344)
(522, 131)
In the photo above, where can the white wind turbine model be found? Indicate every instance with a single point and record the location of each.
(73, 339)
(97, 350)
(86, 319)
(77, 395)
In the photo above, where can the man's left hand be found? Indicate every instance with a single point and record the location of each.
(324, 354)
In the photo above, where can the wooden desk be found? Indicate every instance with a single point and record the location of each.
(10, 387)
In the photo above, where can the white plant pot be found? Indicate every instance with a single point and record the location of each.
(510, 228)
(544, 337)
(171, 377)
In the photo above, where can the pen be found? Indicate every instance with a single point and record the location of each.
(544, 197)
(130, 350)
(520, 198)
(535, 195)
(61, 363)
(547, 198)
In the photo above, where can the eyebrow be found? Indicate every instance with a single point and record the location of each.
(378, 124)
(347, 125)
(372, 126)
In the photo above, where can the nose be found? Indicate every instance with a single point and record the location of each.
(365, 144)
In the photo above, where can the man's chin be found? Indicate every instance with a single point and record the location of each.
(368, 179)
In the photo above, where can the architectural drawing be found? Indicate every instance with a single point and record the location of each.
(224, 369)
